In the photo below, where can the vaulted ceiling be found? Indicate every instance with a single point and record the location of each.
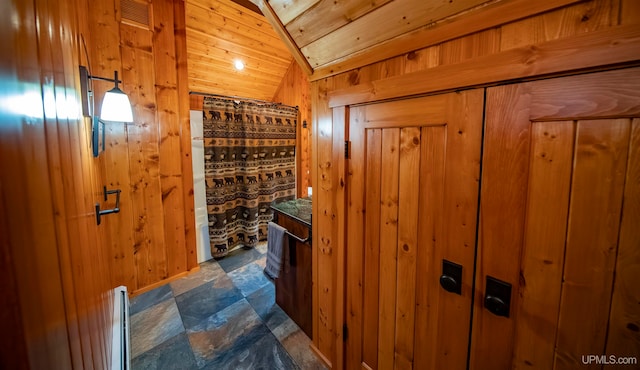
(324, 37)
(219, 32)
(331, 36)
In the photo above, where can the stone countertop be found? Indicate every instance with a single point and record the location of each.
(298, 209)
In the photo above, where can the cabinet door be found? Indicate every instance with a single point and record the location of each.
(559, 216)
(412, 202)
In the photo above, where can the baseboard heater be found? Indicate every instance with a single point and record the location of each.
(121, 348)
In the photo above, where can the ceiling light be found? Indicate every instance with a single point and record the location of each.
(238, 64)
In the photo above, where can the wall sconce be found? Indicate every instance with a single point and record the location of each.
(116, 107)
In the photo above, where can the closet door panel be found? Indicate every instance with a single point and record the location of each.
(556, 163)
(549, 186)
(412, 202)
(624, 336)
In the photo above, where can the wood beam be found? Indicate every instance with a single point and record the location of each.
(272, 17)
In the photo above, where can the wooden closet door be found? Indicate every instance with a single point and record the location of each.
(412, 202)
(559, 221)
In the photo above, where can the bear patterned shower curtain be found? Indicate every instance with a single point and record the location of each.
(249, 150)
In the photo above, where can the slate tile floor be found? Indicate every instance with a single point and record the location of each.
(221, 317)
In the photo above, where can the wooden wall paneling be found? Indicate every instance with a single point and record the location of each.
(180, 35)
(43, 150)
(99, 301)
(62, 307)
(59, 150)
(167, 117)
(89, 266)
(623, 338)
(391, 67)
(429, 255)
(459, 225)
(13, 349)
(317, 104)
(591, 246)
(552, 147)
(100, 235)
(388, 246)
(196, 102)
(298, 158)
(22, 137)
(121, 227)
(44, 138)
(423, 68)
(561, 23)
(629, 12)
(469, 47)
(80, 172)
(490, 16)
(339, 173)
(407, 244)
(506, 124)
(591, 50)
(368, 327)
(143, 138)
(422, 59)
(323, 226)
(105, 57)
(295, 90)
(402, 113)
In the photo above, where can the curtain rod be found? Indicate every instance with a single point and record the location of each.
(237, 98)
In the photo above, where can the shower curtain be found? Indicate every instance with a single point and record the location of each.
(249, 150)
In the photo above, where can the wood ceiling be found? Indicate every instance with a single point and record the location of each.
(331, 36)
(324, 37)
(221, 31)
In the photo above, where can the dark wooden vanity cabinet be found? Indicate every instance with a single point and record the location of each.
(293, 285)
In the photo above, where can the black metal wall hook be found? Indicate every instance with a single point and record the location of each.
(116, 209)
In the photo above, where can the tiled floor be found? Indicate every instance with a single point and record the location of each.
(221, 317)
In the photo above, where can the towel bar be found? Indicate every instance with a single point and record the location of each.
(296, 237)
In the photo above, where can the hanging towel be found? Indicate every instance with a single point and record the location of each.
(276, 245)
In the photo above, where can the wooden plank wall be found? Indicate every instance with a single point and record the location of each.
(295, 90)
(329, 207)
(55, 262)
(149, 159)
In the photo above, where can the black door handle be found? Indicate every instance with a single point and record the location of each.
(448, 283)
(496, 306)
(451, 278)
(497, 298)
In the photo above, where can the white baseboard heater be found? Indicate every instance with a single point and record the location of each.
(121, 348)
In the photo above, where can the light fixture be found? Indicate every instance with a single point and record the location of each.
(116, 106)
(238, 64)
